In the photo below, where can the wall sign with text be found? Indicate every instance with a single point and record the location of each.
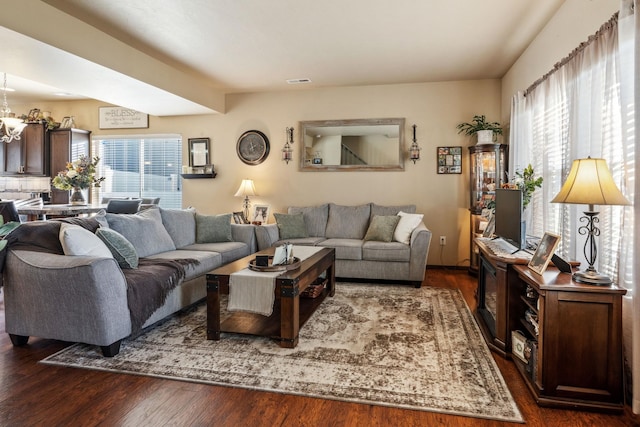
(122, 118)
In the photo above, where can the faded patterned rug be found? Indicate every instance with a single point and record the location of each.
(376, 344)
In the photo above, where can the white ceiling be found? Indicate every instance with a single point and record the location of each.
(225, 46)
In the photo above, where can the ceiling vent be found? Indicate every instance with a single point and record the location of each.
(298, 81)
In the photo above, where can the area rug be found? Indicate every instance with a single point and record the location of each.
(387, 345)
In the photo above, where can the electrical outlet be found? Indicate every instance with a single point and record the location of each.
(443, 240)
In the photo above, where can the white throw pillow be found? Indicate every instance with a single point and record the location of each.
(408, 222)
(76, 240)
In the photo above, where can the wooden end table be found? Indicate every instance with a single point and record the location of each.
(290, 311)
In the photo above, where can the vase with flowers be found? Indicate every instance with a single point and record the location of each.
(80, 175)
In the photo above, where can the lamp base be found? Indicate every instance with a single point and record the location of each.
(591, 278)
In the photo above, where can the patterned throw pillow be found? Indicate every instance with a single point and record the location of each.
(122, 250)
(291, 226)
(213, 228)
(382, 227)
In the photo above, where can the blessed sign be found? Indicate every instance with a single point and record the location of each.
(122, 118)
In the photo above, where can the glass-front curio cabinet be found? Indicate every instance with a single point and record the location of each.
(488, 169)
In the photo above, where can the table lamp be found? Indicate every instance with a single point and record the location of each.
(590, 183)
(246, 189)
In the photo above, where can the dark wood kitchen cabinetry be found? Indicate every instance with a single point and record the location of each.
(29, 155)
(66, 145)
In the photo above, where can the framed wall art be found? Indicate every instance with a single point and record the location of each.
(198, 151)
(449, 160)
(122, 118)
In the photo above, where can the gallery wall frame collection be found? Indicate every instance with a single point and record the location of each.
(449, 160)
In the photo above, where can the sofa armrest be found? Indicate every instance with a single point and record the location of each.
(420, 241)
(69, 298)
(267, 235)
(245, 233)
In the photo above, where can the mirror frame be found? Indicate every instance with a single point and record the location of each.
(303, 125)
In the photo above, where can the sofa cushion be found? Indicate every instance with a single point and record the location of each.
(315, 218)
(386, 251)
(408, 222)
(144, 230)
(44, 236)
(382, 227)
(391, 210)
(181, 225)
(291, 226)
(207, 261)
(213, 228)
(345, 248)
(123, 251)
(230, 251)
(76, 240)
(347, 222)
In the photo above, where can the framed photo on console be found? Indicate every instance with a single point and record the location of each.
(544, 252)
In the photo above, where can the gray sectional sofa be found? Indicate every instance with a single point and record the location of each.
(360, 251)
(86, 297)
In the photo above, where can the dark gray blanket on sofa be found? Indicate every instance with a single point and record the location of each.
(149, 285)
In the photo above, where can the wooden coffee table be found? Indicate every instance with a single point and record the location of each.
(290, 312)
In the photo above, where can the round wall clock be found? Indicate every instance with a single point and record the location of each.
(253, 147)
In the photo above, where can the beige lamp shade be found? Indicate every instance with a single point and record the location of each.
(590, 183)
(246, 189)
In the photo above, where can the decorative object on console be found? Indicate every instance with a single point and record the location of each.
(246, 189)
(80, 175)
(253, 147)
(13, 126)
(449, 160)
(590, 183)
(547, 246)
(414, 150)
(261, 214)
(487, 131)
(287, 151)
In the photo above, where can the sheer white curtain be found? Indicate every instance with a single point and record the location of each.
(585, 107)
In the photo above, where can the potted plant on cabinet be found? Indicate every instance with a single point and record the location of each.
(487, 131)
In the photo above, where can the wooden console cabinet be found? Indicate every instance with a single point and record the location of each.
(573, 332)
(576, 351)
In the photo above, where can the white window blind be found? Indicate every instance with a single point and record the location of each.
(141, 167)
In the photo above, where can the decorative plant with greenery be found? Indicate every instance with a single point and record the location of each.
(526, 182)
(480, 123)
(80, 174)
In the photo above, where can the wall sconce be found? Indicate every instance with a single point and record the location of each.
(414, 150)
(287, 151)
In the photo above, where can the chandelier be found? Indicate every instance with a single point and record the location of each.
(11, 124)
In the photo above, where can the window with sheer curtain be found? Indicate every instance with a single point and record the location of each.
(574, 112)
(586, 107)
(142, 166)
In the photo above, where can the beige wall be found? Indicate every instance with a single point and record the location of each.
(436, 109)
(574, 22)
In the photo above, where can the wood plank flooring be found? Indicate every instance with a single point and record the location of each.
(33, 394)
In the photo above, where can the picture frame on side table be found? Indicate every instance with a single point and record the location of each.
(547, 246)
(238, 218)
(261, 214)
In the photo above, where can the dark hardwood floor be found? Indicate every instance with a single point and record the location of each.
(33, 394)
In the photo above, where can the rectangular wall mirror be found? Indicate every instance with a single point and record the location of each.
(352, 145)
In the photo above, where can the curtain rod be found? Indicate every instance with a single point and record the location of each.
(613, 21)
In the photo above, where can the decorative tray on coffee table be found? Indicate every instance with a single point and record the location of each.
(280, 267)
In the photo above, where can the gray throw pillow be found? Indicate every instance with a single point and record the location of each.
(213, 228)
(347, 222)
(382, 227)
(122, 250)
(291, 226)
(144, 230)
